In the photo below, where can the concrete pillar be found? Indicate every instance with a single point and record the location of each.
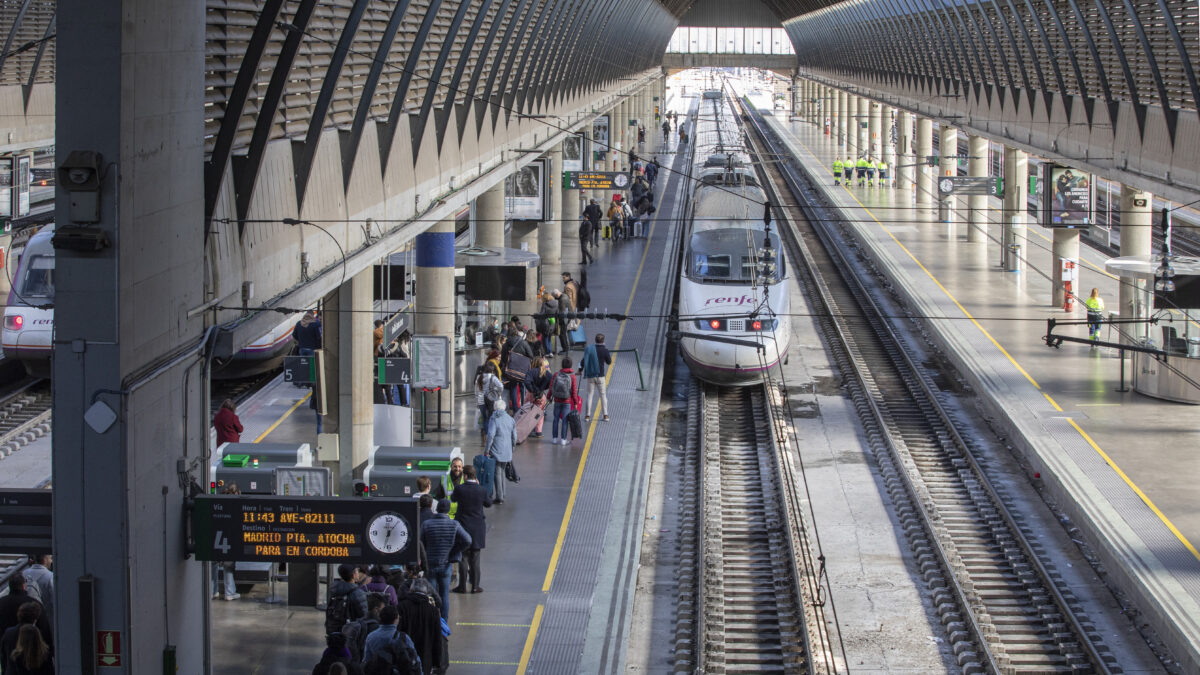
(978, 166)
(797, 91)
(620, 121)
(572, 213)
(435, 309)
(1016, 200)
(1137, 220)
(1066, 246)
(843, 105)
(862, 124)
(489, 218)
(906, 138)
(525, 235)
(349, 352)
(925, 186)
(551, 230)
(889, 145)
(947, 166)
(875, 128)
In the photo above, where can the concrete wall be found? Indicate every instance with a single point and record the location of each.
(26, 124)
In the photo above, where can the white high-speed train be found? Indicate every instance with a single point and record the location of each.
(734, 281)
(29, 320)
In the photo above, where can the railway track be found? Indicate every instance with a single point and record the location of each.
(24, 416)
(741, 604)
(1002, 608)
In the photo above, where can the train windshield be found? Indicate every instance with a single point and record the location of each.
(730, 256)
(37, 278)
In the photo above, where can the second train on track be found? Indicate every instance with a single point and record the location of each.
(733, 284)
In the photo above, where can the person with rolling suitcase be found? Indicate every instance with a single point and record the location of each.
(537, 383)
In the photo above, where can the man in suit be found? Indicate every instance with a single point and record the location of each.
(472, 499)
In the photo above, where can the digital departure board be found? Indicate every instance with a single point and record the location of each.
(252, 528)
(596, 180)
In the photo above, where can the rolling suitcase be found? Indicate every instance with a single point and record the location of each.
(578, 338)
(527, 420)
(575, 425)
(485, 471)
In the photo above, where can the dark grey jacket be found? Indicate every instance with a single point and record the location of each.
(444, 540)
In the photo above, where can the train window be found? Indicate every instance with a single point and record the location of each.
(38, 281)
(710, 266)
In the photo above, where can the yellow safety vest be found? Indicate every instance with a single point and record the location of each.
(837, 166)
(1095, 305)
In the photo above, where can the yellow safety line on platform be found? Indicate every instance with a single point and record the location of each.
(484, 663)
(1096, 447)
(282, 417)
(528, 648)
(587, 447)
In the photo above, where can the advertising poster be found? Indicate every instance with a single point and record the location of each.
(573, 153)
(1067, 197)
(525, 192)
(600, 138)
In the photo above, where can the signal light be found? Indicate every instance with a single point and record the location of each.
(715, 324)
(757, 325)
(212, 488)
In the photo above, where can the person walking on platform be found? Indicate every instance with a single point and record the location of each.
(444, 541)
(571, 288)
(883, 174)
(501, 439)
(596, 361)
(861, 166)
(652, 171)
(1095, 313)
(561, 324)
(226, 422)
(837, 170)
(872, 167)
(594, 213)
(564, 390)
(614, 215)
(585, 242)
(472, 499)
(666, 127)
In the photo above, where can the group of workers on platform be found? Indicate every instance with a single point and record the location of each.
(866, 167)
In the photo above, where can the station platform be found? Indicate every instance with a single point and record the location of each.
(1120, 465)
(562, 552)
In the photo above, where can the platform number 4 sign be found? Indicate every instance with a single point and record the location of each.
(221, 542)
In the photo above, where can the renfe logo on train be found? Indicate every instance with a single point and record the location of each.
(732, 300)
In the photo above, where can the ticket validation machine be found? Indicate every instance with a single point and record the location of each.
(393, 471)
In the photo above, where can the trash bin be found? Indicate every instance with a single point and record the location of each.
(1194, 348)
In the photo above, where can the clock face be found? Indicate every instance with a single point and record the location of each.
(946, 185)
(387, 532)
(621, 180)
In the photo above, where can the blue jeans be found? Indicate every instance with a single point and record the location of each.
(230, 583)
(560, 415)
(440, 576)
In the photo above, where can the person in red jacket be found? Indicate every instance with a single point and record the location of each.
(229, 427)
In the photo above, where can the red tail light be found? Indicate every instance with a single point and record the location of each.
(715, 324)
(757, 325)
(14, 321)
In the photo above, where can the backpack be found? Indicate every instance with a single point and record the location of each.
(337, 612)
(560, 387)
(585, 298)
(356, 633)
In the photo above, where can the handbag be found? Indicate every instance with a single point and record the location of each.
(517, 367)
(510, 472)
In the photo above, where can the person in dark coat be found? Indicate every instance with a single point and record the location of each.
(472, 499)
(226, 422)
(336, 651)
(10, 606)
(421, 619)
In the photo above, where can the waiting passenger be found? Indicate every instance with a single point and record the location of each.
(472, 499)
(31, 656)
(501, 439)
(347, 600)
(390, 644)
(444, 541)
(565, 391)
(226, 422)
(596, 360)
(336, 658)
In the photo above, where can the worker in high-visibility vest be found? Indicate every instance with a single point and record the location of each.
(872, 166)
(837, 171)
(883, 174)
(1095, 309)
(862, 170)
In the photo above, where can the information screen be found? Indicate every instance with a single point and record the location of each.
(250, 528)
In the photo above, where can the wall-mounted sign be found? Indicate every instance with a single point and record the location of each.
(1066, 197)
(252, 528)
(600, 138)
(971, 185)
(574, 152)
(431, 361)
(394, 371)
(300, 369)
(525, 192)
(25, 521)
(596, 180)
